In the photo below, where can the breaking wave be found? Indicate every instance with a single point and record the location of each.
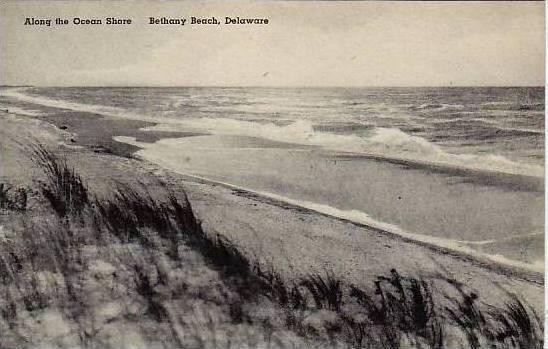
(391, 143)
(63, 104)
(437, 106)
(20, 111)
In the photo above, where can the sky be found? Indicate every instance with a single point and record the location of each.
(308, 43)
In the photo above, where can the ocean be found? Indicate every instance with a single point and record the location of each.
(457, 167)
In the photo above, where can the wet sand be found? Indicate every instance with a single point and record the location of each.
(485, 178)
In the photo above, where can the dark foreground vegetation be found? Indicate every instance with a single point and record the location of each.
(396, 311)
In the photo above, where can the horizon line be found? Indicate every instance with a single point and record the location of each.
(274, 86)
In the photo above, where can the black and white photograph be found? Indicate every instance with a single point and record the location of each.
(272, 174)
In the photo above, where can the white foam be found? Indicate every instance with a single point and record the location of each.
(383, 142)
(17, 93)
(440, 106)
(512, 238)
(19, 111)
(61, 104)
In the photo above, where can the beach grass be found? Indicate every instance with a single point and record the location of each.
(63, 187)
(149, 238)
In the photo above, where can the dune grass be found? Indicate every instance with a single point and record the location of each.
(63, 187)
(396, 311)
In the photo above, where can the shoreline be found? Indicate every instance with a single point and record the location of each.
(519, 270)
(304, 227)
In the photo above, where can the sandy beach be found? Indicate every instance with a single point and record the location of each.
(294, 239)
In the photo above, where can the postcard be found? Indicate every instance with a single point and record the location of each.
(272, 174)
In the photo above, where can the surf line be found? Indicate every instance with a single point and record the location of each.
(453, 247)
(508, 238)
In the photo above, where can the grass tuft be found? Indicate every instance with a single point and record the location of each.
(63, 188)
(326, 291)
(127, 212)
(516, 326)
